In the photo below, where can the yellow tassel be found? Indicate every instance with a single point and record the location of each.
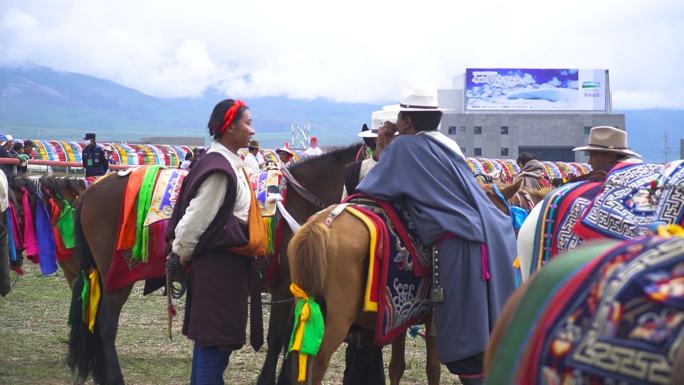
(299, 334)
(669, 231)
(516, 262)
(94, 298)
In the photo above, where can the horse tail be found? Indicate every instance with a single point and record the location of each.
(308, 259)
(85, 354)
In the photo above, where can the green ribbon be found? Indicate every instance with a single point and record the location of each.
(85, 293)
(314, 327)
(65, 225)
(142, 234)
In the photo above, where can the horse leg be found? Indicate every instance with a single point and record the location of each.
(276, 340)
(433, 366)
(397, 363)
(108, 324)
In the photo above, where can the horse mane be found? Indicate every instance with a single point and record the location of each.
(337, 155)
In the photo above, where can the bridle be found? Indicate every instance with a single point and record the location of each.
(301, 190)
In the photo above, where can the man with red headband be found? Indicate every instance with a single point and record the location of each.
(215, 229)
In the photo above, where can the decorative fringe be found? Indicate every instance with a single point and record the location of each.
(270, 224)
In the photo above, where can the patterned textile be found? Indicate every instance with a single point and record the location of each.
(636, 196)
(561, 210)
(165, 194)
(404, 271)
(134, 236)
(268, 182)
(619, 319)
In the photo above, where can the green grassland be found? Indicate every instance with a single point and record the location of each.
(34, 335)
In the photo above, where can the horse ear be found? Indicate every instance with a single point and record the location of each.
(512, 189)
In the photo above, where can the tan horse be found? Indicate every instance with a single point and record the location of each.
(330, 264)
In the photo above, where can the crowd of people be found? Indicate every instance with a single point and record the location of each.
(213, 227)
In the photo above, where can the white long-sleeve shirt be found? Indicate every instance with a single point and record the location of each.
(4, 188)
(203, 208)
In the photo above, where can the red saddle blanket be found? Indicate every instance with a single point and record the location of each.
(399, 280)
(135, 260)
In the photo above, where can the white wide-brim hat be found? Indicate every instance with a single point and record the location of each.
(608, 139)
(378, 118)
(417, 99)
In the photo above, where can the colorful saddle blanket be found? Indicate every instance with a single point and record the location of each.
(618, 318)
(139, 251)
(561, 209)
(634, 197)
(399, 273)
(166, 192)
(269, 181)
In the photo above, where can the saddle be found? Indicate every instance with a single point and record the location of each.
(399, 275)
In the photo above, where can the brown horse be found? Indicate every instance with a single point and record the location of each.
(96, 225)
(329, 263)
(510, 310)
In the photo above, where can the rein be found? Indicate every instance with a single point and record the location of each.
(301, 190)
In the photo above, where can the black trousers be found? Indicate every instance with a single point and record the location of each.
(363, 359)
(5, 286)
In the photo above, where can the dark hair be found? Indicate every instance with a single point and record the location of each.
(18, 146)
(525, 157)
(217, 115)
(423, 120)
(28, 143)
(188, 155)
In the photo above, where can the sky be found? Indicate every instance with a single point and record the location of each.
(347, 51)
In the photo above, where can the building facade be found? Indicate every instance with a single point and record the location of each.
(550, 134)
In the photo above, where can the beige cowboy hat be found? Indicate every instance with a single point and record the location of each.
(608, 139)
(378, 118)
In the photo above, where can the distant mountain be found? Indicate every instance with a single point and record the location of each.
(38, 102)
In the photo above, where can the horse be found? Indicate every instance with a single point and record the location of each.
(319, 183)
(62, 190)
(552, 304)
(329, 261)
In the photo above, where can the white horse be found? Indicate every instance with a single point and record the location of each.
(526, 240)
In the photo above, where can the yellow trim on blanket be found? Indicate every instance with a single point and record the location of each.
(368, 304)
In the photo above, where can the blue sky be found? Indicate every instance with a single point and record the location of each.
(351, 51)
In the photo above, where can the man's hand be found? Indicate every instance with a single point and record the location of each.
(385, 137)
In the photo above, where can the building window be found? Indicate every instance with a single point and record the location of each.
(587, 130)
(463, 128)
(452, 130)
(504, 130)
(504, 151)
(477, 151)
(478, 130)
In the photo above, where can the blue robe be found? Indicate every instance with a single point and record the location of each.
(436, 187)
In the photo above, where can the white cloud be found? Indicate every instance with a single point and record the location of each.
(346, 51)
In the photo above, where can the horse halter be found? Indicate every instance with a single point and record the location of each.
(301, 190)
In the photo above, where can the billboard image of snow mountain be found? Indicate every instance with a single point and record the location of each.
(535, 89)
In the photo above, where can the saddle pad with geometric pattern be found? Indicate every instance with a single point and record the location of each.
(634, 197)
(618, 320)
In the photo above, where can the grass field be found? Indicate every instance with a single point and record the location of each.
(34, 332)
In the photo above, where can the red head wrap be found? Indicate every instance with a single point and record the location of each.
(230, 115)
